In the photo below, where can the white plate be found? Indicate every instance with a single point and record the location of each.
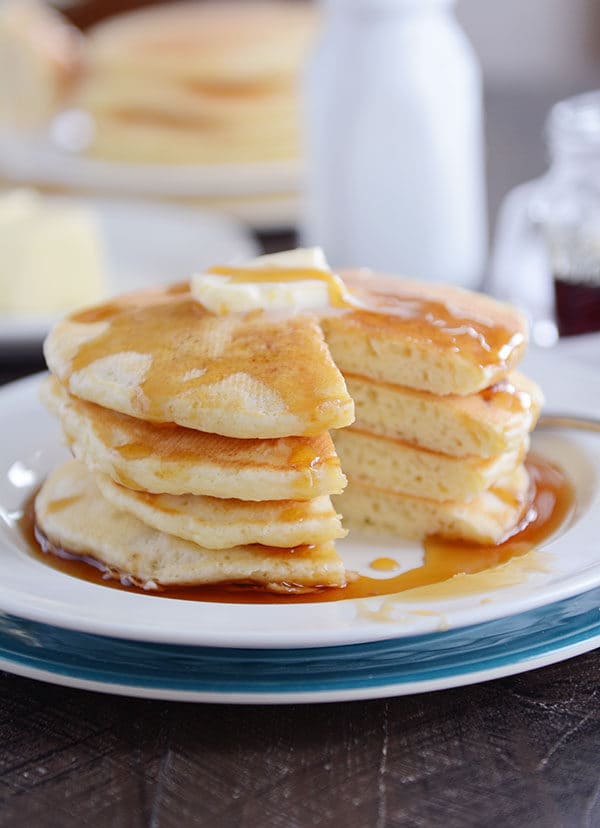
(361, 671)
(29, 589)
(145, 244)
(264, 194)
(34, 158)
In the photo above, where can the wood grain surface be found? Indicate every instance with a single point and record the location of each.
(514, 752)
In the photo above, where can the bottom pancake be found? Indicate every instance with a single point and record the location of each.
(73, 515)
(489, 518)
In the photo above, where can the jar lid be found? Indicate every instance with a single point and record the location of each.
(573, 125)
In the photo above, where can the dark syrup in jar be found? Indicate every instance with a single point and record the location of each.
(577, 304)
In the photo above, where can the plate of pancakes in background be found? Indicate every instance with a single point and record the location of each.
(309, 506)
(186, 101)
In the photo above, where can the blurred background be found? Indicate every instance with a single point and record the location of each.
(532, 54)
(139, 148)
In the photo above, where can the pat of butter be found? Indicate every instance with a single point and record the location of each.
(222, 293)
(51, 257)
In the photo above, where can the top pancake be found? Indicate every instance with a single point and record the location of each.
(436, 338)
(158, 355)
(226, 42)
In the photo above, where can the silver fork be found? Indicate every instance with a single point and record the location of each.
(553, 420)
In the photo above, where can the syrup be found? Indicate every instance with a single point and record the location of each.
(577, 305)
(550, 503)
(434, 321)
(163, 332)
(505, 394)
(338, 295)
(155, 325)
(384, 564)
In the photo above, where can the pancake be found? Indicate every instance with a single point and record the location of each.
(158, 355)
(176, 460)
(487, 519)
(191, 83)
(147, 138)
(73, 515)
(218, 523)
(494, 421)
(436, 338)
(178, 123)
(397, 466)
(227, 42)
(251, 104)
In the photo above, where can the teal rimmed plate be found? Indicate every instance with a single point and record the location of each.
(360, 671)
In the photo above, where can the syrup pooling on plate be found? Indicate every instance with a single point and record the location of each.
(384, 564)
(550, 504)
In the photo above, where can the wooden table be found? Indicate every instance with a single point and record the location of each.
(520, 751)
(515, 752)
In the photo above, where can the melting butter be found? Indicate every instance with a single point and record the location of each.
(293, 281)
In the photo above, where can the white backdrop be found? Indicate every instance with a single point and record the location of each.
(535, 42)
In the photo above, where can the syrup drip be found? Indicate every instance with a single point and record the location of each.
(434, 321)
(304, 457)
(171, 442)
(550, 503)
(170, 446)
(505, 394)
(134, 451)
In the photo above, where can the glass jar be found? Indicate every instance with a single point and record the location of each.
(547, 253)
(394, 141)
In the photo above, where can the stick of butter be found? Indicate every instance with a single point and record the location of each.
(51, 257)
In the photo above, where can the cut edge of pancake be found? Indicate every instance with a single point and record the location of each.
(475, 424)
(393, 464)
(487, 519)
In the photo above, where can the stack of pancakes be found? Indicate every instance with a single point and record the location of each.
(201, 444)
(41, 60)
(202, 447)
(442, 419)
(188, 83)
